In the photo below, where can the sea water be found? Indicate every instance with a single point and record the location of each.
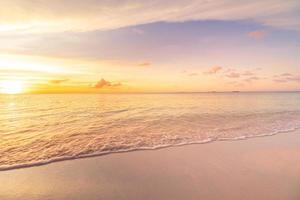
(39, 129)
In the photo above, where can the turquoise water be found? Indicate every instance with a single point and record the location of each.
(39, 129)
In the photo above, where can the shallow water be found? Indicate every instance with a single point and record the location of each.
(38, 129)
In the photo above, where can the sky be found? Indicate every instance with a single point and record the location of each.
(107, 46)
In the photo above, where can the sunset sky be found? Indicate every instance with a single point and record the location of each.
(65, 46)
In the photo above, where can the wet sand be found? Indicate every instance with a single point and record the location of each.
(266, 168)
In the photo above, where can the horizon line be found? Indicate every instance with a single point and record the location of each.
(182, 92)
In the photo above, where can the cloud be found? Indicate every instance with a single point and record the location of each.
(253, 78)
(189, 73)
(193, 74)
(247, 73)
(294, 78)
(144, 64)
(287, 77)
(87, 15)
(58, 81)
(233, 75)
(258, 35)
(286, 74)
(213, 70)
(103, 83)
(280, 80)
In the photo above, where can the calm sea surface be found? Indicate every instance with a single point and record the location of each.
(38, 129)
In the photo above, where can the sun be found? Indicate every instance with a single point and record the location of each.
(12, 86)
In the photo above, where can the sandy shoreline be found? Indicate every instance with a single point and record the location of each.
(257, 168)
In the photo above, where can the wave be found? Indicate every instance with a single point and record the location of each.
(97, 154)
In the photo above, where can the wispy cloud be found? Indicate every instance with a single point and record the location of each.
(144, 64)
(287, 77)
(280, 80)
(193, 74)
(294, 78)
(233, 75)
(247, 73)
(236, 76)
(104, 83)
(213, 70)
(252, 78)
(58, 81)
(84, 15)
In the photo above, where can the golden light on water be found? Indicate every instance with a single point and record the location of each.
(12, 86)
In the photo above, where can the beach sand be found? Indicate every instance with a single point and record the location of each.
(265, 168)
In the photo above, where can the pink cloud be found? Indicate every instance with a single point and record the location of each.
(144, 64)
(286, 74)
(258, 35)
(280, 80)
(286, 77)
(103, 83)
(248, 73)
(253, 78)
(294, 78)
(233, 75)
(214, 70)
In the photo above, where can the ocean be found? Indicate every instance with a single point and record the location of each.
(40, 129)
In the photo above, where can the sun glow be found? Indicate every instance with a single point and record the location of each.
(12, 87)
